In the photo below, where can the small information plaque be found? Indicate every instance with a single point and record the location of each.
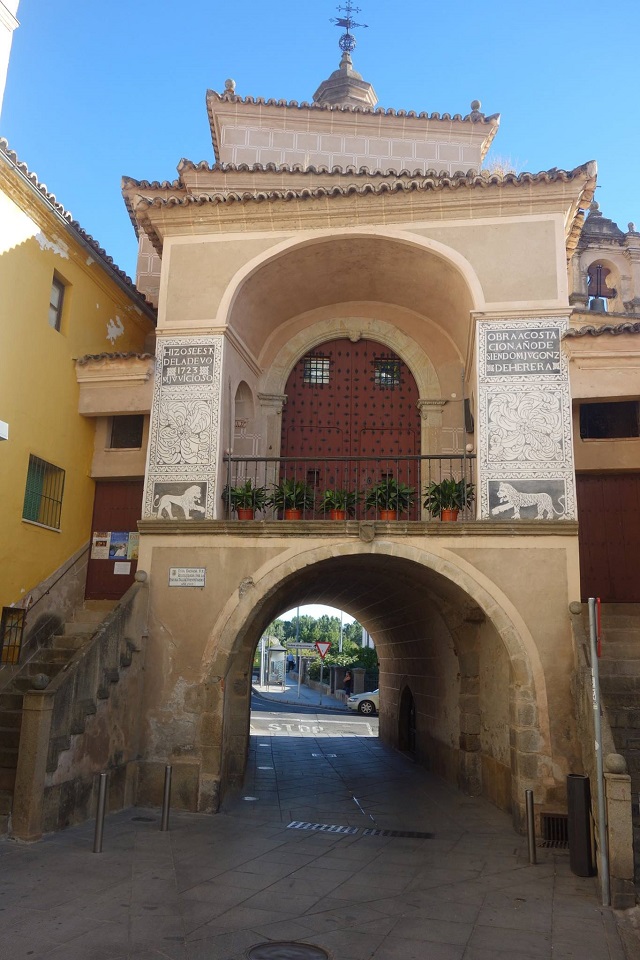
(187, 576)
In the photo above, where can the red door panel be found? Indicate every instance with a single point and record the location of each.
(347, 400)
(117, 508)
(609, 534)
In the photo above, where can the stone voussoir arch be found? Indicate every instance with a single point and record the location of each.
(274, 379)
(232, 635)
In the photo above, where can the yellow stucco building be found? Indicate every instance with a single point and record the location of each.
(62, 298)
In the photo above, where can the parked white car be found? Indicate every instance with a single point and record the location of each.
(365, 703)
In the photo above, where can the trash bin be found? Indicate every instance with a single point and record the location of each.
(579, 825)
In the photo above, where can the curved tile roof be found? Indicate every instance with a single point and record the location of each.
(615, 329)
(430, 180)
(32, 178)
(114, 356)
(475, 116)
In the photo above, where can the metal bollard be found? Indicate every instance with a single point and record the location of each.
(102, 805)
(166, 800)
(531, 826)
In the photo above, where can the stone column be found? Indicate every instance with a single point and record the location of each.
(525, 444)
(272, 404)
(28, 794)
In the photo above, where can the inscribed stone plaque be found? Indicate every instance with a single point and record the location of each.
(518, 352)
(183, 435)
(525, 445)
(187, 364)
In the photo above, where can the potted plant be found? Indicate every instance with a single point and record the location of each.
(245, 499)
(339, 503)
(292, 497)
(389, 497)
(446, 498)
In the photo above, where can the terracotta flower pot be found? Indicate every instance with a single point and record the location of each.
(448, 516)
(388, 515)
(245, 513)
(337, 514)
(293, 513)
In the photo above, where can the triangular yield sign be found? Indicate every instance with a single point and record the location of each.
(322, 647)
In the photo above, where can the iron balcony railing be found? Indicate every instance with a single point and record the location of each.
(364, 487)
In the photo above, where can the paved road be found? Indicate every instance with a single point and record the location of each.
(334, 842)
(304, 720)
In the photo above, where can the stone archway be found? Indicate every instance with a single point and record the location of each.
(351, 575)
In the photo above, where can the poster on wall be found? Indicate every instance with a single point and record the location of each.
(122, 568)
(100, 545)
(119, 544)
(132, 549)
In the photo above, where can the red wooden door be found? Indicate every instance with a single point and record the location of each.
(352, 400)
(116, 510)
(609, 535)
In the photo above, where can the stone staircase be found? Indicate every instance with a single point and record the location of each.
(620, 688)
(37, 672)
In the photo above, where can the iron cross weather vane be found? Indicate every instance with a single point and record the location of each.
(347, 41)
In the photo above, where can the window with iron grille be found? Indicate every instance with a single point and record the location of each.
(56, 300)
(316, 370)
(386, 373)
(11, 630)
(43, 493)
(126, 433)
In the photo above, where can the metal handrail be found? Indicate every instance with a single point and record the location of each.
(357, 474)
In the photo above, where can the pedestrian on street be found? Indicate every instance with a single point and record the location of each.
(291, 662)
(346, 683)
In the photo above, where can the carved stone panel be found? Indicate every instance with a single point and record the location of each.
(184, 432)
(525, 446)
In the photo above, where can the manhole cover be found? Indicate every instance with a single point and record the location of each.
(143, 819)
(287, 951)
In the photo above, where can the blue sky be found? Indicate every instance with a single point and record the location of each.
(96, 91)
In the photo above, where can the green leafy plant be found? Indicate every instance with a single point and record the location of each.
(346, 500)
(292, 495)
(390, 494)
(245, 495)
(448, 494)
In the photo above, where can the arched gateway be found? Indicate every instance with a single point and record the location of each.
(446, 291)
(471, 674)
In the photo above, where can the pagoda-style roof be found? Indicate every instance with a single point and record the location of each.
(254, 130)
(222, 187)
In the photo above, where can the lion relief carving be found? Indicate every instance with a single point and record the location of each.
(512, 499)
(188, 502)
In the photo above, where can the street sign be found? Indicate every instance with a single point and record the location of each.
(301, 646)
(322, 646)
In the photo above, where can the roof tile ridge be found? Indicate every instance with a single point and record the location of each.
(430, 179)
(615, 329)
(152, 184)
(473, 117)
(22, 167)
(271, 167)
(114, 356)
